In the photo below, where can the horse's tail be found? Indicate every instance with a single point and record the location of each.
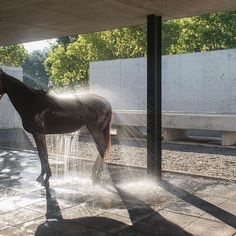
(107, 135)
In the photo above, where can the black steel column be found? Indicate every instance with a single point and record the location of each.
(154, 24)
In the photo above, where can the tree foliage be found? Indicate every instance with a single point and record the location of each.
(34, 72)
(201, 33)
(13, 55)
(65, 40)
(68, 62)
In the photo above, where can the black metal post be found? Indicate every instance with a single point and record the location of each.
(154, 24)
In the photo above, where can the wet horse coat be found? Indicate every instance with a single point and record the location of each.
(42, 113)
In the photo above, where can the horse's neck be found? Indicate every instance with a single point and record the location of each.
(19, 94)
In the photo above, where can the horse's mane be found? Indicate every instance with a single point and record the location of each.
(22, 84)
(40, 92)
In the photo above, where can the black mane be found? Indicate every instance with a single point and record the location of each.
(40, 92)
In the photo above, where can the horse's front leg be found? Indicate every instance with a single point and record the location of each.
(43, 155)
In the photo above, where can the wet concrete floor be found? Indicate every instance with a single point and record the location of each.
(125, 202)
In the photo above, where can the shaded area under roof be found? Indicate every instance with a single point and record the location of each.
(30, 20)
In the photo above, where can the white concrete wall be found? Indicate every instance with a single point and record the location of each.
(121, 81)
(9, 117)
(199, 82)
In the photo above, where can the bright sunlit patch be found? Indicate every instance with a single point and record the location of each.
(140, 185)
(146, 190)
(3, 153)
(69, 94)
(38, 45)
(6, 170)
(81, 186)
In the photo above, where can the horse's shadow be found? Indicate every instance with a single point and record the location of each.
(55, 224)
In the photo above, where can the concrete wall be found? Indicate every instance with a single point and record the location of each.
(199, 82)
(9, 118)
(123, 82)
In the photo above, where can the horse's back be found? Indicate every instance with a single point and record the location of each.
(78, 102)
(69, 113)
(95, 102)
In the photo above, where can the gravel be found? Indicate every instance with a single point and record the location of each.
(194, 159)
(187, 158)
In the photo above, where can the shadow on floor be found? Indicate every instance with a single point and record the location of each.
(56, 225)
(140, 213)
(205, 206)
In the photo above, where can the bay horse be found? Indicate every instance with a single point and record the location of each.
(42, 113)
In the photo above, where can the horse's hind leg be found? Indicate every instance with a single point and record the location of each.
(43, 155)
(97, 169)
(102, 140)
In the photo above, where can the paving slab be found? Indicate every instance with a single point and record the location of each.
(162, 228)
(31, 226)
(126, 202)
(220, 189)
(19, 216)
(179, 219)
(203, 227)
(187, 206)
(13, 231)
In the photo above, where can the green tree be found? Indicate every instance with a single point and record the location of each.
(13, 55)
(34, 72)
(68, 64)
(201, 33)
(65, 40)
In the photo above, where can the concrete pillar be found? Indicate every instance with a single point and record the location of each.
(174, 134)
(154, 65)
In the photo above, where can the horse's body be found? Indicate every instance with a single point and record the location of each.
(42, 113)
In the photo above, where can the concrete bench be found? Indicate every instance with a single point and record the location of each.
(175, 124)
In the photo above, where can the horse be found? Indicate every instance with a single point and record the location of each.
(42, 113)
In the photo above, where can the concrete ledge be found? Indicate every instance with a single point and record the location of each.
(173, 134)
(210, 121)
(178, 120)
(129, 117)
(175, 124)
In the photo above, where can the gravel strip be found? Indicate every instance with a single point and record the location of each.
(201, 161)
(193, 159)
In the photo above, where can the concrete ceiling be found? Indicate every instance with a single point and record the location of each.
(30, 20)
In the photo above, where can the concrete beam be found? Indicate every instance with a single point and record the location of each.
(24, 20)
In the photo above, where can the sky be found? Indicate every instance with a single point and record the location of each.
(38, 45)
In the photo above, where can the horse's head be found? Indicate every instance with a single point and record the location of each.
(1, 83)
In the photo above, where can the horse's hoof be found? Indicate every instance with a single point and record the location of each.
(45, 183)
(40, 179)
